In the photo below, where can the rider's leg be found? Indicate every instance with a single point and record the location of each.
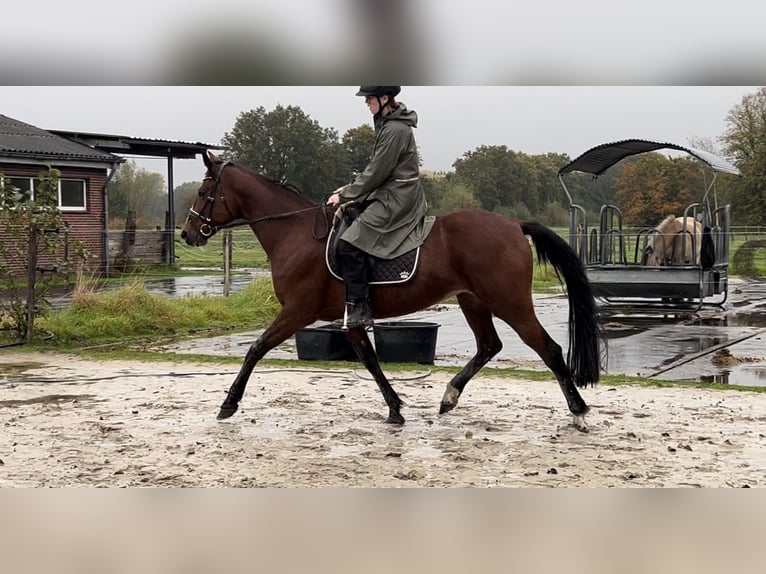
(354, 266)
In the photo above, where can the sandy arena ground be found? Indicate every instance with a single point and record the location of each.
(70, 422)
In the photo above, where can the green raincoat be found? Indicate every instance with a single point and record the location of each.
(395, 221)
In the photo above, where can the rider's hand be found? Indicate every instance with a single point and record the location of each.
(334, 199)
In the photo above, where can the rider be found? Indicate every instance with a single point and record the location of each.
(389, 196)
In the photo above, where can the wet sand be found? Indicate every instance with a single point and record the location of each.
(71, 422)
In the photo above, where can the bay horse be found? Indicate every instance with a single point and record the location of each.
(675, 242)
(481, 257)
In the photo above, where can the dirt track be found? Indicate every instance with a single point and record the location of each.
(73, 422)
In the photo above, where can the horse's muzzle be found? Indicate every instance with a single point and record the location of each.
(193, 238)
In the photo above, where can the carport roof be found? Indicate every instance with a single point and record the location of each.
(137, 146)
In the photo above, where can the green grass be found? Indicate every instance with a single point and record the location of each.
(131, 312)
(246, 252)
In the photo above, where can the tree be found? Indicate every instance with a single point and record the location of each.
(653, 186)
(183, 198)
(287, 145)
(36, 241)
(138, 190)
(502, 178)
(641, 189)
(357, 143)
(486, 171)
(745, 141)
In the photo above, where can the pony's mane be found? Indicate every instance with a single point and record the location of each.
(666, 222)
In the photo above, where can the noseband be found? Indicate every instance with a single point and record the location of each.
(206, 228)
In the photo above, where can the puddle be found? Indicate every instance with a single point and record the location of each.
(46, 400)
(425, 452)
(637, 345)
(11, 373)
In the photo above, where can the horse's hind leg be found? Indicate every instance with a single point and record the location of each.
(521, 317)
(364, 350)
(488, 344)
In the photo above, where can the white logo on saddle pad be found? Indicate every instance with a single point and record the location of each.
(404, 274)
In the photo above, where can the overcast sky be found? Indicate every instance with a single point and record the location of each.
(453, 119)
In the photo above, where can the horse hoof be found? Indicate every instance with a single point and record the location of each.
(449, 400)
(395, 419)
(226, 412)
(579, 423)
(446, 407)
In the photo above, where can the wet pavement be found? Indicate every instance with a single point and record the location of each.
(715, 345)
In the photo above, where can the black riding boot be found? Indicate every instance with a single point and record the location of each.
(354, 266)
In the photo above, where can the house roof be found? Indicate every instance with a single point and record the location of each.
(24, 141)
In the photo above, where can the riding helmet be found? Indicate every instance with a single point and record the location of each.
(378, 90)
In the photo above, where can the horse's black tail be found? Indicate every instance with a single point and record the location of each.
(585, 340)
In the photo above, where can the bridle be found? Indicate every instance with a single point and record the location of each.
(204, 215)
(206, 228)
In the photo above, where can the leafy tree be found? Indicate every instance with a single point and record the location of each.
(653, 186)
(136, 189)
(287, 145)
(745, 141)
(641, 189)
(34, 230)
(357, 143)
(458, 195)
(549, 187)
(505, 180)
(487, 171)
(183, 198)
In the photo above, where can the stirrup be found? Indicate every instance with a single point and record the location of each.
(359, 316)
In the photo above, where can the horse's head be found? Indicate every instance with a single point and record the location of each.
(209, 211)
(650, 257)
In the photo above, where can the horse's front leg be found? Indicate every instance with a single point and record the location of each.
(366, 353)
(283, 327)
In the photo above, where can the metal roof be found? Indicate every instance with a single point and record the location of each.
(138, 146)
(25, 141)
(600, 158)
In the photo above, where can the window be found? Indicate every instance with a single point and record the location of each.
(22, 184)
(71, 192)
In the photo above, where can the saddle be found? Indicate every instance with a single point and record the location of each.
(383, 271)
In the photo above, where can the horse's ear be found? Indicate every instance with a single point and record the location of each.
(206, 159)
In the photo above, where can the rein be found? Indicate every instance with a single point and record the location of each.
(207, 229)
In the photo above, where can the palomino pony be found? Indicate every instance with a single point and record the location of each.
(484, 258)
(676, 242)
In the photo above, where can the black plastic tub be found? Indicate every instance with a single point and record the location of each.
(406, 341)
(324, 343)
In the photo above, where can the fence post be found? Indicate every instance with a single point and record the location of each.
(227, 252)
(31, 281)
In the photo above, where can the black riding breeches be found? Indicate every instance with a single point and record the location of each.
(355, 269)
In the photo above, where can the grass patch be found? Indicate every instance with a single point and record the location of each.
(132, 312)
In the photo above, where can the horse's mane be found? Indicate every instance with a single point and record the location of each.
(283, 184)
(670, 219)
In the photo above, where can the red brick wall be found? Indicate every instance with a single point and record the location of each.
(84, 226)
